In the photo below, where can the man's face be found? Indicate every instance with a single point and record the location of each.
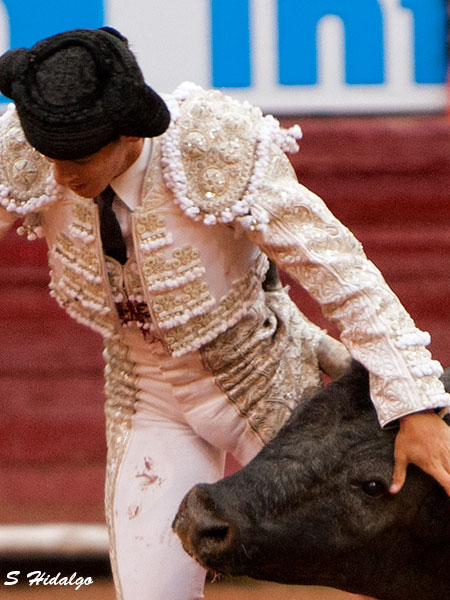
(90, 175)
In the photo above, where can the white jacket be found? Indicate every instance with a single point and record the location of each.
(218, 191)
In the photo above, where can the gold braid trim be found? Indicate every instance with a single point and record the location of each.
(120, 389)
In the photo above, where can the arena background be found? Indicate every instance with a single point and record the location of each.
(367, 82)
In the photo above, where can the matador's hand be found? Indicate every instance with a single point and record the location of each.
(424, 440)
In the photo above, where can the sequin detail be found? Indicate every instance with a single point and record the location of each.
(78, 285)
(200, 330)
(82, 226)
(178, 307)
(215, 153)
(162, 274)
(26, 180)
(152, 232)
(274, 366)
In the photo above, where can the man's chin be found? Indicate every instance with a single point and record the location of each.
(84, 191)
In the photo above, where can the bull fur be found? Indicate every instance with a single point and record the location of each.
(314, 507)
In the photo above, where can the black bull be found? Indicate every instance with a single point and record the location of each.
(313, 508)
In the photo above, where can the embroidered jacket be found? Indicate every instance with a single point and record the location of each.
(218, 190)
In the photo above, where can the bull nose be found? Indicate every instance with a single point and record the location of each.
(203, 534)
(212, 534)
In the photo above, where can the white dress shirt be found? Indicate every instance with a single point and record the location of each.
(128, 186)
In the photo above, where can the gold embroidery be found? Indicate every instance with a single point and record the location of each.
(178, 307)
(116, 279)
(165, 274)
(84, 261)
(132, 280)
(272, 367)
(23, 171)
(194, 143)
(202, 329)
(217, 145)
(78, 286)
(321, 254)
(82, 221)
(127, 293)
(151, 230)
(121, 396)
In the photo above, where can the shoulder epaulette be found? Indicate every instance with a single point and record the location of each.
(215, 153)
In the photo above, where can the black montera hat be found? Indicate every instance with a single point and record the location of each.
(77, 91)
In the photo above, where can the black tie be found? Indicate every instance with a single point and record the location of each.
(112, 238)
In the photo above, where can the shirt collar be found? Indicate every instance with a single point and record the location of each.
(128, 184)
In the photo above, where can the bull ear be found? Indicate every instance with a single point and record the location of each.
(356, 369)
(355, 383)
(358, 375)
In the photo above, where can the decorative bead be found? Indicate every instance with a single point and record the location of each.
(235, 123)
(185, 89)
(201, 111)
(15, 139)
(230, 151)
(417, 338)
(25, 172)
(194, 144)
(213, 180)
(210, 220)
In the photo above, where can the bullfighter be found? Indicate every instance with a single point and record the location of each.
(161, 214)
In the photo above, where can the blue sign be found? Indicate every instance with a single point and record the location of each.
(31, 20)
(430, 33)
(297, 40)
(395, 49)
(230, 43)
(297, 23)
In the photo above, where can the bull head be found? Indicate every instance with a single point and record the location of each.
(314, 507)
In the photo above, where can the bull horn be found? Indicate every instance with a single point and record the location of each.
(272, 282)
(333, 357)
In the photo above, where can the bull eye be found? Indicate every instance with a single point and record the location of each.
(374, 488)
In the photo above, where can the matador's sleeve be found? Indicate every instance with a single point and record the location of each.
(295, 228)
(225, 163)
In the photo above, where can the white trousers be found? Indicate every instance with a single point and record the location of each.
(182, 428)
